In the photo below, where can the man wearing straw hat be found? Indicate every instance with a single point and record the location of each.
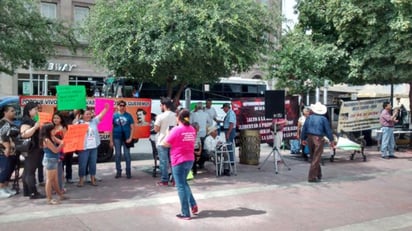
(315, 128)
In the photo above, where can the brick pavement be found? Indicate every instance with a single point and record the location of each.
(354, 195)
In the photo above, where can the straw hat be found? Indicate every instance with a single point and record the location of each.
(211, 129)
(318, 108)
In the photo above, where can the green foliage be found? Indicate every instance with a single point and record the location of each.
(178, 41)
(375, 34)
(301, 65)
(26, 36)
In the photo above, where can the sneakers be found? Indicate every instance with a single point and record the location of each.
(4, 194)
(195, 209)
(11, 191)
(161, 183)
(180, 216)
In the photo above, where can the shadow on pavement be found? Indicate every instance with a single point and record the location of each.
(238, 212)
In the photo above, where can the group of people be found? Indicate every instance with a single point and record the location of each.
(313, 127)
(47, 148)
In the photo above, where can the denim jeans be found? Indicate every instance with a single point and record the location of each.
(387, 142)
(4, 168)
(163, 163)
(118, 144)
(87, 157)
(184, 192)
(230, 147)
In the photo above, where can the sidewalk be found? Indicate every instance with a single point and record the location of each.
(354, 195)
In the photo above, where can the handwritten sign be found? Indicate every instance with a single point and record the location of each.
(106, 124)
(74, 137)
(45, 117)
(71, 97)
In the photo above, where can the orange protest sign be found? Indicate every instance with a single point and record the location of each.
(74, 137)
(45, 117)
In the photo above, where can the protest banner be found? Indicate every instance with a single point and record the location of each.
(74, 137)
(360, 115)
(71, 97)
(250, 115)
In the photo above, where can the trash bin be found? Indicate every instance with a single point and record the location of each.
(249, 147)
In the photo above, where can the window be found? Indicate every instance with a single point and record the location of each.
(80, 15)
(93, 84)
(42, 84)
(48, 10)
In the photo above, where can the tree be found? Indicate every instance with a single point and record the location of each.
(301, 65)
(179, 42)
(375, 34)
(27, 37)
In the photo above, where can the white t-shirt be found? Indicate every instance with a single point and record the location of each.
(211, 112)
(210, 143)
(204, 121)
(165, 121)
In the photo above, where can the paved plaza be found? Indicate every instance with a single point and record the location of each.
(354, 195)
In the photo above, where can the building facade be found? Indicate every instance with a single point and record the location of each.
(67, 68)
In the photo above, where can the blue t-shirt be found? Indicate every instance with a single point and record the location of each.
(121, 125)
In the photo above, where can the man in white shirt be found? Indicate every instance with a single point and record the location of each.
(202, 118)
(163, 123)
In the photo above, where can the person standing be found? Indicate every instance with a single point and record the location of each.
(8, 158)
(387, 122)
(58, 132)
(301, 122)
(122, 133)
(229, 127)
(181, 140)
(52, 149)
(315, 128)
(163, 123)
(203, 119)
(30, 129)
(211, 111)
(88, 156)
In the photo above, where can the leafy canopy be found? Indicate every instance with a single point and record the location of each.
(376, 35)
(179, 42)
(27, 36)
(300, 64)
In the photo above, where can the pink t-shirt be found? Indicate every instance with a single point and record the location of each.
(182, 144)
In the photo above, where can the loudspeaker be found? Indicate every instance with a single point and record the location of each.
(275, 104)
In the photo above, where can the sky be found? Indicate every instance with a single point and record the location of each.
(287, 12)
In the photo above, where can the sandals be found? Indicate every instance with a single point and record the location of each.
(80, 185)
(53, 202)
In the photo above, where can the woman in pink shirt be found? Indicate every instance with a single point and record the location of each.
(181, 140)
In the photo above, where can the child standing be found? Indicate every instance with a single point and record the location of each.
(50, 162)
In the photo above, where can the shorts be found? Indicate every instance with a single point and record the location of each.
(50, 163)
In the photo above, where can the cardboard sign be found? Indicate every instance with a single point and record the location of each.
(106, 123)
(45, 117)
(71, 97)
(74, 137)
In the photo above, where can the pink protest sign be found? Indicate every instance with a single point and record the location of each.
(106, 122)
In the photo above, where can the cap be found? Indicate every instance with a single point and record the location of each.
(226, 105)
